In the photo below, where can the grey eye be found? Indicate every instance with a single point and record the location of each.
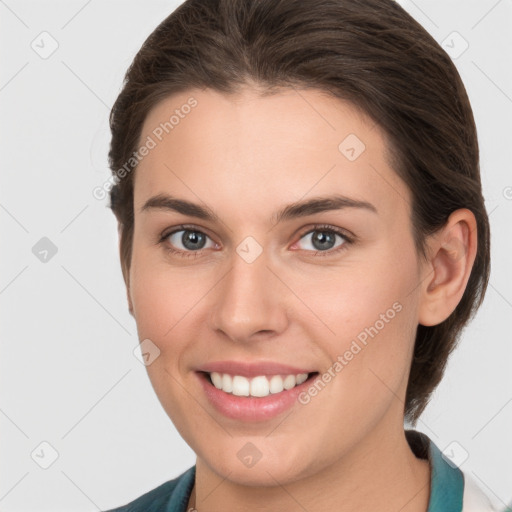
(323, 240)
(190, 240)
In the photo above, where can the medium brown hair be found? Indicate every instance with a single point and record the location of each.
(369, 52)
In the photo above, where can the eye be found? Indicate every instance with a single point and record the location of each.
(187, 241)
(325, 239)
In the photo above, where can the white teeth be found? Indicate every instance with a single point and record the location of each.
(258, 386)
(276, 384)
(301, 377)
(217, 379)
(241, 386)
(227, 383)
(289, 382)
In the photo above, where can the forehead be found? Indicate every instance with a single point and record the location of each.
(244, 151)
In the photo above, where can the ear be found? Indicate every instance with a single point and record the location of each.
(451, 254)
(124, 268)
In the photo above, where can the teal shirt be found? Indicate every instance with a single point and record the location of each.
(446, 484)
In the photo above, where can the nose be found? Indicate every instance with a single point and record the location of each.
(250, 302)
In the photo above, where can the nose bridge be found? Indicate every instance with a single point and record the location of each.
(248, 300)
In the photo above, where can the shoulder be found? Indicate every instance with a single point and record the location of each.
(176, 491)
(474, 498)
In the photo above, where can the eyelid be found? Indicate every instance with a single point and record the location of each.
(345, 233)
(181, 227)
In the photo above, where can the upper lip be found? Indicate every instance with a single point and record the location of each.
(246, 369)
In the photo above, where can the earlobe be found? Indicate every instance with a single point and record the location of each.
(452, 252)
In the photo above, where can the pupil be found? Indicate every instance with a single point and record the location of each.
(323, 238)
(192, 237)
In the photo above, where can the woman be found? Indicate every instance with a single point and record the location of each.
(302, 236)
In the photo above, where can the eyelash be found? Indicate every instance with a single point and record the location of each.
(319, 227)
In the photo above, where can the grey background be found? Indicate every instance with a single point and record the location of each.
(68, 373)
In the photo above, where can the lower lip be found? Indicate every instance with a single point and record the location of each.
(249, 408)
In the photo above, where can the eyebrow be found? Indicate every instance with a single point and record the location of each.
(291, 211)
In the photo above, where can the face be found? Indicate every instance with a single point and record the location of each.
(248, 292)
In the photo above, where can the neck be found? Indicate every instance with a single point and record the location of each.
(380, 473)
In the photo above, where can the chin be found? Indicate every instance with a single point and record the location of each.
(256, 463)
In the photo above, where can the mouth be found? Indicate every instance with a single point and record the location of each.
(260, 386)
(254, 398)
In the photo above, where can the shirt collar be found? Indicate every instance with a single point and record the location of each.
(446, 480)
(178, 500)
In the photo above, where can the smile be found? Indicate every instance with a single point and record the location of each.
(253, 392)
(260, 386)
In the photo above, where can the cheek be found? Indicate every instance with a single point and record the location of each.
(162, 296)
(362, 295)
(371, 314)
(164, 300)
